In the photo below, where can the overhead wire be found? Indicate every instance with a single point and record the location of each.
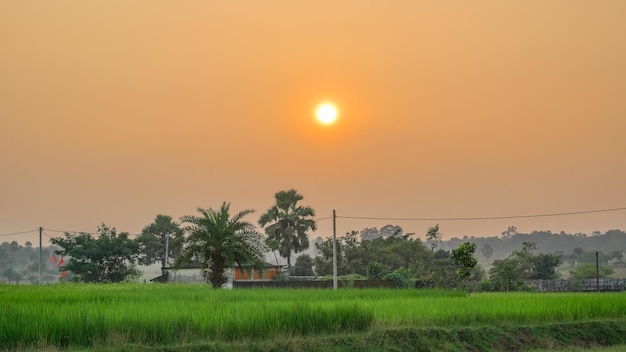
(485, 217)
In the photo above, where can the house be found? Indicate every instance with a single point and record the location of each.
(192, 273)
(268, 273)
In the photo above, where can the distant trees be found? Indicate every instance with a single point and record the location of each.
(23, 264)
(12, 276)
(107, 257)
(509, 274)
(400, 258)
(286, 224)
(487, 251)
(219, 241)
(588, 271)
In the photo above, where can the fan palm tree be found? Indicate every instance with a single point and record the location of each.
(220, 241)
(287, 224)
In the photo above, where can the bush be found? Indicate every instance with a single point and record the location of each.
(401, 278)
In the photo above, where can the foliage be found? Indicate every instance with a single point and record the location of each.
(401, 278)
(303, 266)
(509, 274)
(219, 241)
(11, 275)
(377, 271)
(107, 257)
(23, 261)
(153, 237)
(463, 257)
(394, 252)
(287, 223)
(588, 271)
(434, 237)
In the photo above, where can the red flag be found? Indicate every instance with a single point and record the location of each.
(53, 258)
(61, 262)
(64, 273)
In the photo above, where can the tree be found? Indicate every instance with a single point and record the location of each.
(303, 266)
(487, 251)
(510, 273)
(109, 257)
(588, 271)
(219, 241)
(153, 238)
(463, 256)
(286, 224)
(12, 275)
(510, 232)
(434, 237)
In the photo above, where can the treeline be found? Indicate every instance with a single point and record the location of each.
(612, 241)
(19, 264)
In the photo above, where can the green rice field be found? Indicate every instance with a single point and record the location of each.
(83, 316)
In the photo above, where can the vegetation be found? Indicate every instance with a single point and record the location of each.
(20, 264)
(397, 257)
(303, 266)
(153, 237)
(107, 257)
(287, 223)
(588, 271)
(219, 241)
(509, 274)
(135, 315)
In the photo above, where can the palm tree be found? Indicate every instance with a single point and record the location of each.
(288, 224)
(220, 241)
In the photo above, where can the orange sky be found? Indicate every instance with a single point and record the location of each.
(115, 111)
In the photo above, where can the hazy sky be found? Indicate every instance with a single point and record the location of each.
(116, 111)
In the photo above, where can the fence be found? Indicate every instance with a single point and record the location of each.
(585, 285)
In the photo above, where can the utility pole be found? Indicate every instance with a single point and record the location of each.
(40, 252)
(597, 273)
(165, 257)
(334, 251)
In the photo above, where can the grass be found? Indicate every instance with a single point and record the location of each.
(61, 316)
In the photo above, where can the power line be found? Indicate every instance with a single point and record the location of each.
(17, 233)
(485, 217)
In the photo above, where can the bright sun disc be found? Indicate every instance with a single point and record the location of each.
(326, 114)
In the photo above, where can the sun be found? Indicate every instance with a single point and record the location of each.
(326, 114)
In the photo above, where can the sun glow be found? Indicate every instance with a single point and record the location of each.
(326, 114)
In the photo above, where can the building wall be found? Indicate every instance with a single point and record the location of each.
(255, 275)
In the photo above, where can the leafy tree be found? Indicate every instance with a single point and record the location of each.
(286, 224)
(545, 265)
(152, 241)
(505, 275)
(434, 237)
(303, 266)
(463, 256)
(377, 271)
(219, 241)
(109, 257)
(588, 271)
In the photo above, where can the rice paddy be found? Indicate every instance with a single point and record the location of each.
(93, 315)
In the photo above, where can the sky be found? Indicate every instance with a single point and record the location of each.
(116, 111)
